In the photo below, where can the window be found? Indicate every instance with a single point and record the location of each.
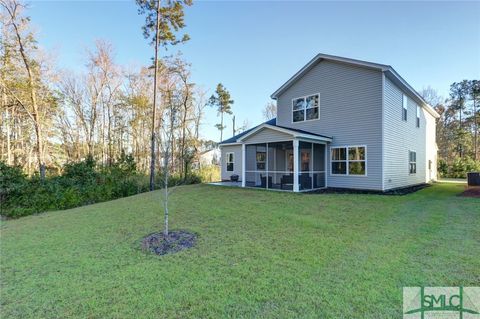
(349, 160)
(230, 162)
(404, 107)
(305, 108)
(339, 160)
(261, 159)
(412, 162)
(356, 160)
(418, 116)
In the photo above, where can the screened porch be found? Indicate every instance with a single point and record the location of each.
(293, 165)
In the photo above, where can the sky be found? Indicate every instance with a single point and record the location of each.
(253, 47)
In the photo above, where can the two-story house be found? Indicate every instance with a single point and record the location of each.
(340, 123)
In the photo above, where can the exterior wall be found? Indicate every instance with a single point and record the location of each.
(237, 166)
(350, 112)
(402, 136)
(431, 147)
(267, 135)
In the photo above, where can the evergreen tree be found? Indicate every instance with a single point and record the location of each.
(223, 102)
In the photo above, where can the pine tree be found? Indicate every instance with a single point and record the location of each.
(223, 102)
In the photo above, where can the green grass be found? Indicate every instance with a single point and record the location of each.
(259, 254)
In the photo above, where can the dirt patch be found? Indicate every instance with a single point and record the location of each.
(397, 191)
(472, 191)
(176, 241)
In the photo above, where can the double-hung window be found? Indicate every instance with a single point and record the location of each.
(306, 108)
(404, 107)
(230, 161)
(349, 160)
(412, 162)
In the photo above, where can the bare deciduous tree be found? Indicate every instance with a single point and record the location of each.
(269, 111)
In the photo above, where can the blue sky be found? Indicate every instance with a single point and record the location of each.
(253, 47)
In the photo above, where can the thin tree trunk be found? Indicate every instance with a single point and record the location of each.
(152, 145)
(165, 203)
(221, 128)
(109, 136)
(184, 129)
(33, 98)
(475, 127)
(7, 123)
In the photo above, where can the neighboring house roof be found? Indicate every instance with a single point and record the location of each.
(272, 124)
(386, 69)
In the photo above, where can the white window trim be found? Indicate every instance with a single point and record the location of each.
(405, 107)
(412, 162)
(305, 109)
(227, 162)
(347, 160)
(417, 120)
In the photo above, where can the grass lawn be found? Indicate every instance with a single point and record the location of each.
(259, 254)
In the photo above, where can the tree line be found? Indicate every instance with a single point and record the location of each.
(457, 128)
(50, 117)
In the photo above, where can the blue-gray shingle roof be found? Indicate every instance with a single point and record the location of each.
(272, 122)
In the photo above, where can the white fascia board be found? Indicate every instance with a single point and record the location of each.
(286, 131)
(229, 144)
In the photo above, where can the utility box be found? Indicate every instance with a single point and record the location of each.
(473, 178)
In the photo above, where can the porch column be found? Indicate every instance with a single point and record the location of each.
(296, 188)
(243, 165)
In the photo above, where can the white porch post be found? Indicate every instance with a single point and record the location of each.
(296, 187)
(326, 165)
(243, 165)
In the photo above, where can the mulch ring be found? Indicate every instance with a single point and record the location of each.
(176, 241)
(471, 191)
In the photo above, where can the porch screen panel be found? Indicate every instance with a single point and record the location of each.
(279, 155)
(305, 178)
(272, 165)
(256, 165)
(319, 166)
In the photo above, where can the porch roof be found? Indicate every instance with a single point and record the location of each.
(272, 124)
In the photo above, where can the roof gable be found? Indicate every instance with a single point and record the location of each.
(271, 124)
(386, 69)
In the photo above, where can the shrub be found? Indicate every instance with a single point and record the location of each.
(81, 183)
(461, 166)
(458, 168)
(12, 181)
(442, 167)
(209, 173)
(177, 179)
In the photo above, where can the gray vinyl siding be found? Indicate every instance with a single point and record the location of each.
(267, 135)
(350, 112)
(400, 137)
(237, 166)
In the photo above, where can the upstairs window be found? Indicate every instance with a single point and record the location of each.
(306, 108)
(404, 107)
(418, 116)
(412, 162)
(230, 162)
(349, 160)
